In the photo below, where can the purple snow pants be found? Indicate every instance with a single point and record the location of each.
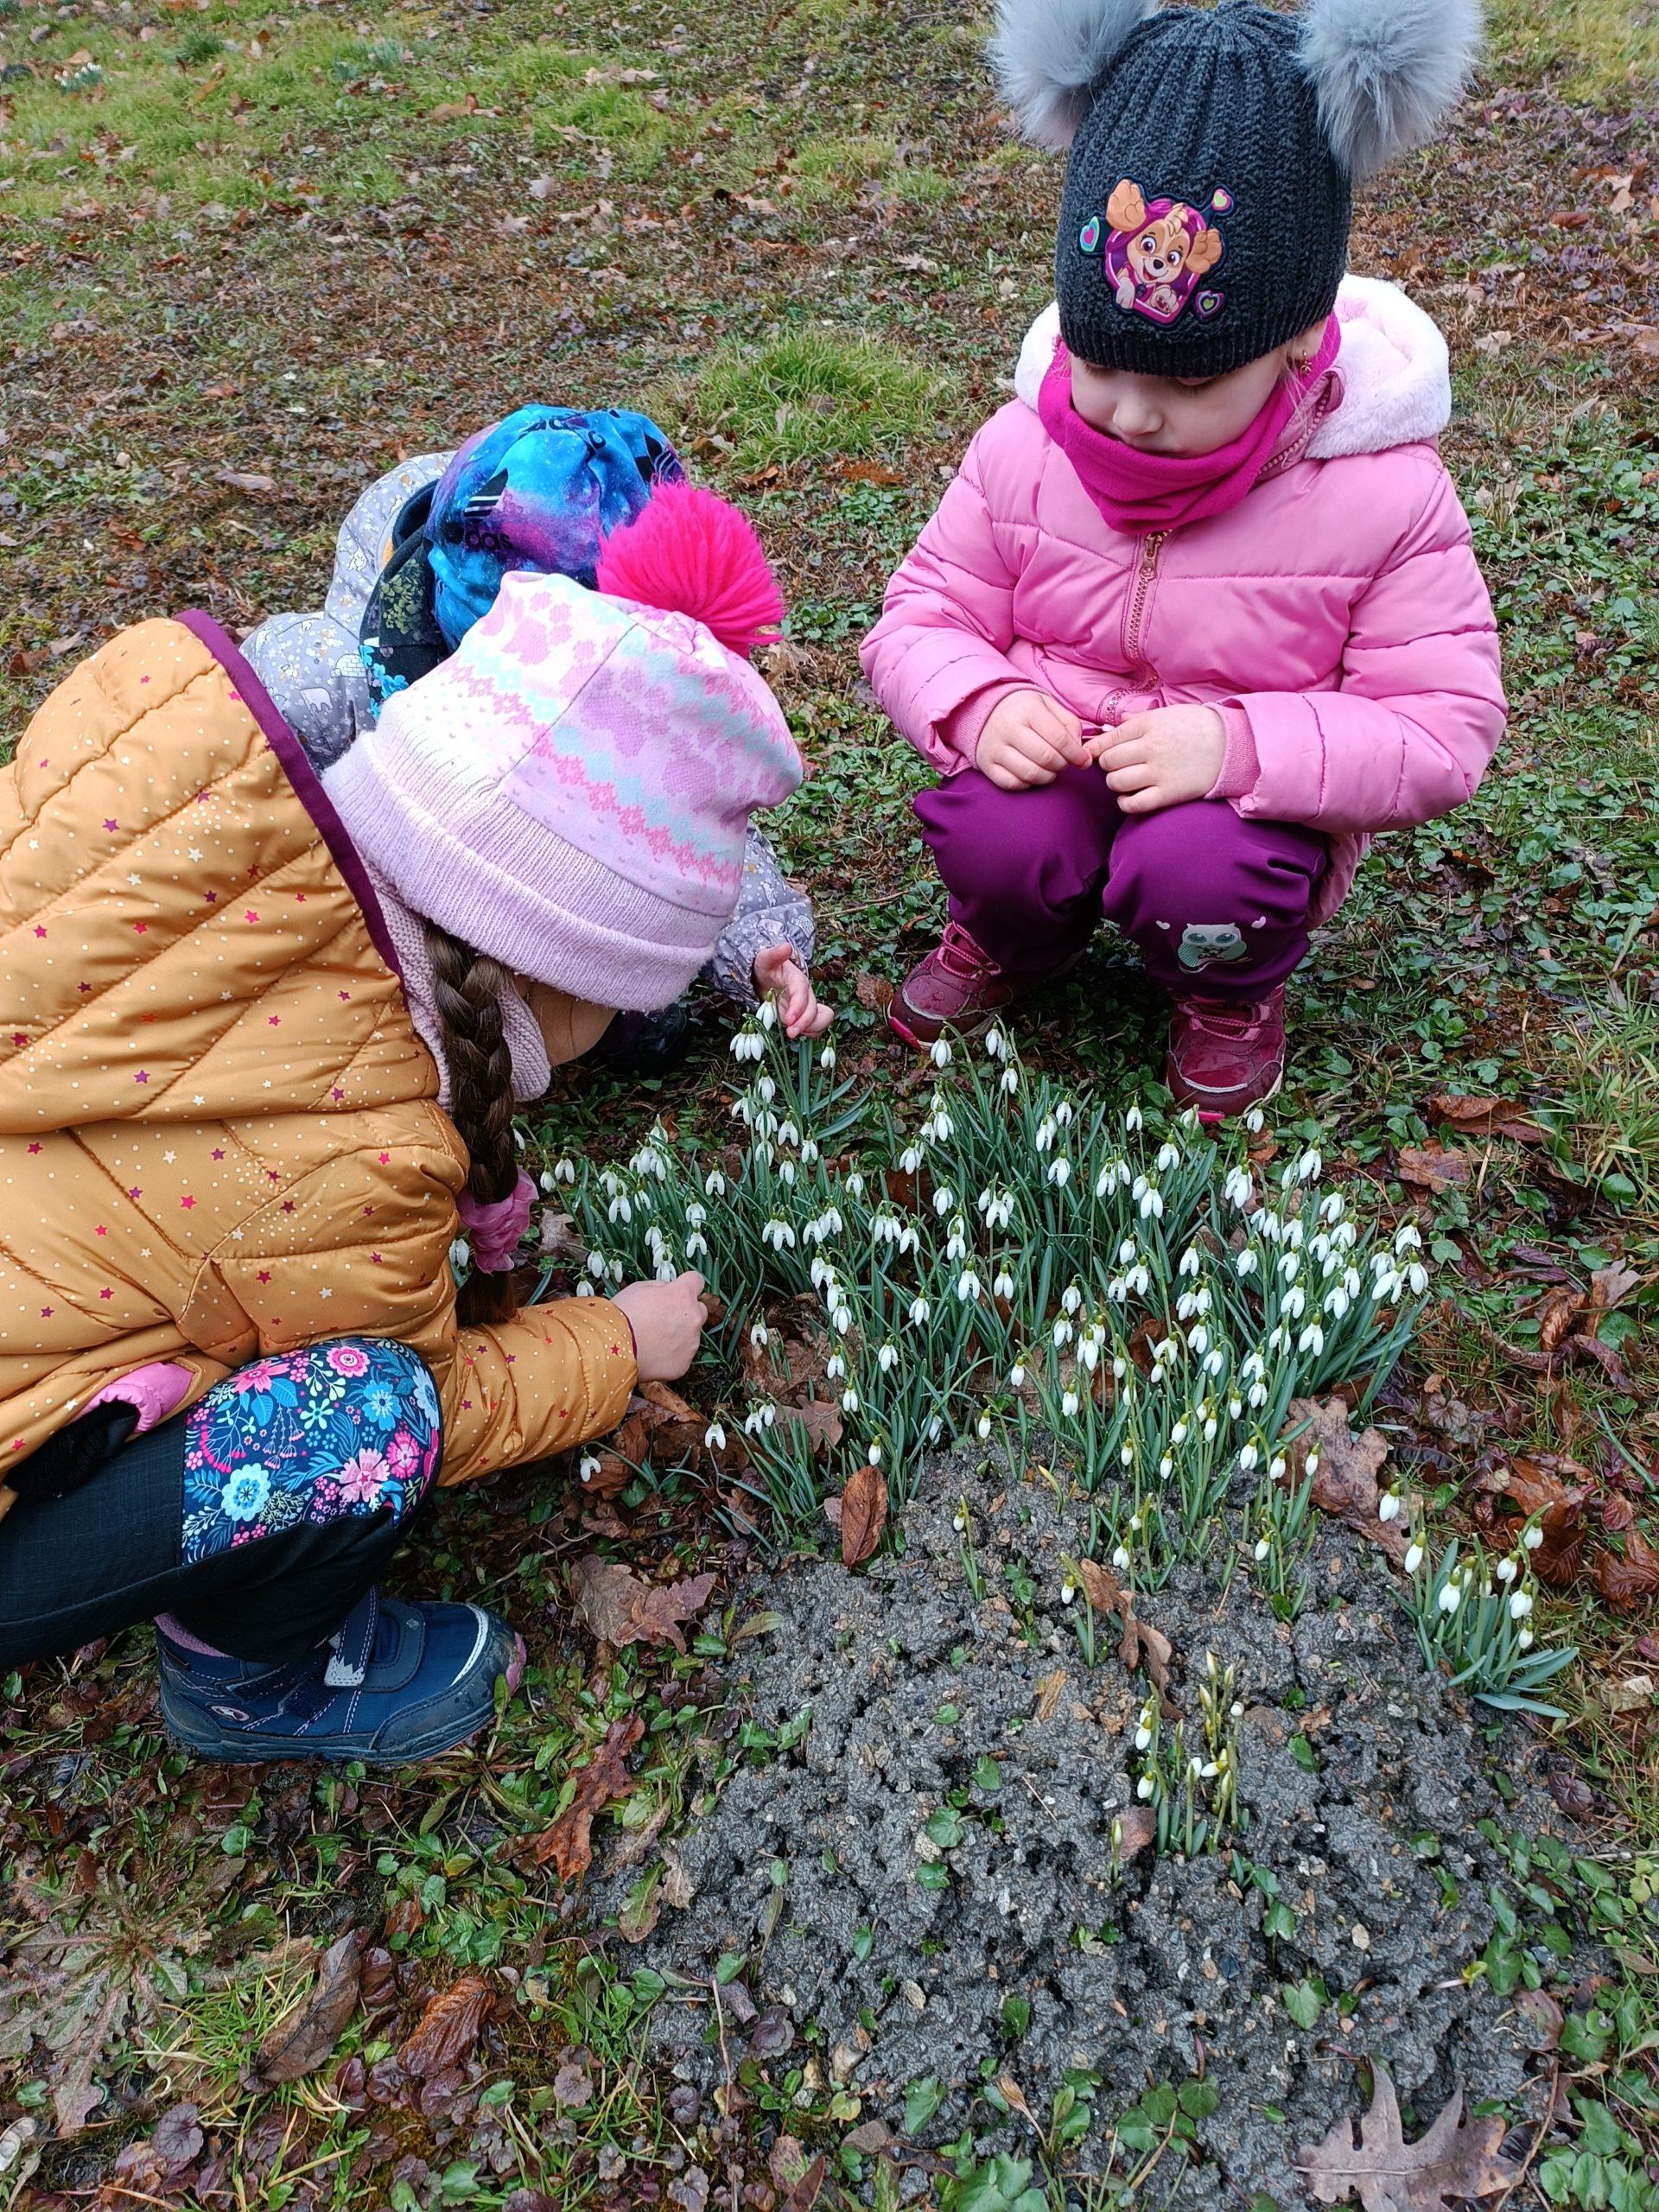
(1217, 905)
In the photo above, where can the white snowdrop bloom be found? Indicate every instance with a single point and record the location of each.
(1262, 1549)
(827, 1059)
(1120, 1368)
(843, 1318)
(1408, 1238)
(849, 1400)
(1331, 1207)
(855, 1184)
(887, 1358)
(1249, 1458)
(766, 1089)
(944, 1200)
(997, 1044)
(585, 1289)
(1133, 1119)
(1523, 1641)
(1117, 1290)
(1329, 1265)
(1121, 1560)
(1290, 1265)
(714, 1183)
(1059, 1171)
(741, 1042)
(1185, 1305)
(935, 1429)
(1451, 1597)
(460, 1254)
(1178, 1433)
(1047, 1130)
(1016, 1378)
(1068, 1592)
(910, 1159)
(620, 1209)
(941, 1054)
(786, 1173)
(778, 1234)
(1350, 1284)
(613, 1271)
(875, 1455)
(713, 1437)
(1269, 1225)
(919, 1311)
(1336, 1303)
(1532, 1538)
(956, 1247)
(1311, 1464)
(1276, 1469)
(1209, 1430)
(1191, 1259)
(1143, 1739)
(1294, 1233)
(968, 1286)
(1245, 1263)
(983, 1427)
(1506, 1570)
(821, 1271)
(1003, 1287)
(595, 1263)
(1237, 1188)
(1198, 1336)
(1414, 1558)
(1152, 1207)
(1417, 1277)
(1069, 1403)
(549, 1182)
(910, 1239)
(1143, 1789)
(1165, 1467)
(1127, 1455)
(1295, 1302)
(1010, 1082)
(1388, 1506)
(1255, 1121)
(1310, 1166)
(788, 1133)
(1139, 1188)
(1346, 1236)
(1195, 1769)
(1311, 1339)
(1062, 1333)
(1235, 1406)
(959, 1521)
(1070, 1298)
(1520, 1604)
(1168, 1159)
(1258, 1396)
(1088, 1354)
(836, 1367)
(766, 1014)
(666, 1271)
(589, 1466)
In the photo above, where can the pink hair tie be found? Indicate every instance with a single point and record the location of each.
(493, 1230)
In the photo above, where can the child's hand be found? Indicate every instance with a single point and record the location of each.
(779, 974)
(1027, 740)
(1163, 758)
(667, 1320)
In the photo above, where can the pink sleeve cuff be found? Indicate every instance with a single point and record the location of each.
(1240, 768)
(961, 727)
(156, 1391)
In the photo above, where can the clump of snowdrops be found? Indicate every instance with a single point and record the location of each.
(1011, 1261)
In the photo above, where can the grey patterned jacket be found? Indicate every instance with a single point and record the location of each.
(309, 664)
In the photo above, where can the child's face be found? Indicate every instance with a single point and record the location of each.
(1182, 416)
(569, 1026)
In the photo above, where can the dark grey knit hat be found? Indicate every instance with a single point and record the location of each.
(1205, 218)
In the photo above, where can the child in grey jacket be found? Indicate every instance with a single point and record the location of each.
(420, 558)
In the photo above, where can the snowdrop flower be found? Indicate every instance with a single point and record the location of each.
(945, 1199)
(887, 1358)
(1262, 1549)
(997, 1044)
(1059, 1172)
(1088, 1354)
(1506, 1570)
(1451, 1597)
(1169, 1158)
(1520, 1605)
(919, 1311)
(1258, 1396)
(1255, 1121)
(1236, 1189)
(835, 1368)
(1144, 1787)
(1524, 1640)
(1532, 1538)
(1276, 1469)
(460, 1255)
(1295, 1302)
(984, 1427)
(1336, 1303)
(955, 1245)
(766, 1089)
(1016, 1377)
(788, 1133)
(935, 1428)
(855, 1184)
(595, 1263)
(1062, 1334)
(1177, 1434)
(843, 1318)
(1417, 1278)
(1388, 1506)
(713, 1437)
(875, 1455)
(1152, 1207)
(589, 1466)
(968, 1286)
(1165, 1467)
(1069, 1403)
(620, 1209)
(778, 1234)
(1311, 1339)
(849, 1400)
(1068, 1593)
(747, 1045)
(1245, 1264)
(910, 1238)
(1010, 1082)
(1133, 1119)
(940, 1053)
(910, 1160)
(1414, 1558)
(1191, 1260)
(1249, 1457)
(1310, 1166)
(1121, 1560)
(1408, 1239)
(1003, 1287)
(1144, 1737)
(714, 1183)
(786, 1173)
(1198, 1336)
(827, 1059)
(1290, 1265)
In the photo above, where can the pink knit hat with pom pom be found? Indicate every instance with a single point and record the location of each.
(571, 791)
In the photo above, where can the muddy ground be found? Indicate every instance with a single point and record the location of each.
(1363, 1780)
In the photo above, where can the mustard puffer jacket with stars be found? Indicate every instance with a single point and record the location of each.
(219, 1133)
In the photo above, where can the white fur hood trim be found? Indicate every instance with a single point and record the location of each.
(1394, 383)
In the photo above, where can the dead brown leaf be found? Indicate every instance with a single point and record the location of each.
(243, 480)
(1556, 1315)
(1135, 1828)
(621, 1609)
(1432, 1167)
(1050, 1690)
(1611, 1285)
(1345, 1481)
(305, 2036)
(1484, 1117)
(569, 1842)
(447, 2028)
(1459, 2159)
(863, 1514)
(1628, 1581)
(874, 993)
(1537, 1489)
(1139, 1640)
(807, 2190)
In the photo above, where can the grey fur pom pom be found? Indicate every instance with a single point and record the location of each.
(1386, 71)
(1047, 53)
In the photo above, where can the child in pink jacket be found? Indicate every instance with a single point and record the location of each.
(1200, 615)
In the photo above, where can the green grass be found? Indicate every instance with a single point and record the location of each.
(814, 395)
(1605, 51)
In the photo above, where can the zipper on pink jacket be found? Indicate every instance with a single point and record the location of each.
(1140, 599)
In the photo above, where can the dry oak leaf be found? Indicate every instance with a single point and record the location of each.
(1345, 1482)
(621, 1609)
(1106, 1594)
(1627, 1581)
(1484, 1117)
(1560, 1510)
(447, 2028)
(863, 1514)
(1431, 1167)
(569, 1842)
(243, 480)
(1135, 1828)
(305, 2036)
(1459, 2159)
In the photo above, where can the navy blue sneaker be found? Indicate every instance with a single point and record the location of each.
(394, 1683)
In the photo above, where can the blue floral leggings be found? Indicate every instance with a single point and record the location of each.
(253, 1523)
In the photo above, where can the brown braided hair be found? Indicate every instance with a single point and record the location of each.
(469, 987)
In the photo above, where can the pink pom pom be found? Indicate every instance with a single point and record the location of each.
(691, 552)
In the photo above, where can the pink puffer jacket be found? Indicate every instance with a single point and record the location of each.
(1338, 610)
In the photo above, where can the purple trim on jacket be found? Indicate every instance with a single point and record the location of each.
(308, 785)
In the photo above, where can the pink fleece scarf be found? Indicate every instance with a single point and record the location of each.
(1138, 492)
